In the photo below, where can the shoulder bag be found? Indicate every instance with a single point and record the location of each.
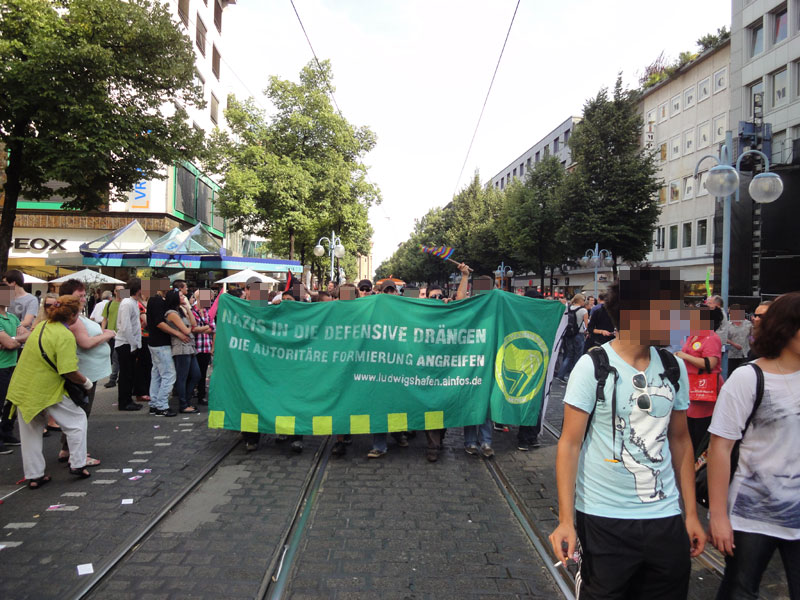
(75, 391)
(704, 385)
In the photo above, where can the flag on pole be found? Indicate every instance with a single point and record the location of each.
(443, 252)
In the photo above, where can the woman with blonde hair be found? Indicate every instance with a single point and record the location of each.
(48, 300)
(50, 357)
(574, 335)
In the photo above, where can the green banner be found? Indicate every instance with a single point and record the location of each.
(381, 363)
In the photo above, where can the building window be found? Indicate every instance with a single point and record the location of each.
(780, 85)
(497, 184)
(688, 142)
(688, 188)
(661, 234)
(704, 89)
(508, 178)
(720, 80)
(566, 136)
(689, 97)
(521, 169)
(515, 172)
(703, 135)
(537, 157)
(675, 105)
(215, 60)
(663, 152)
(183, 12)
(673, 237)
(546, 151)
(662, 112)
(528, 162)
(218, 15)
(702, 232)
(781, 29)
(662, 195)
(687, 235)
(674, 191)
(502, 184)
(675, 147)
(752, 90)
(214, 108)
(555, 145)
(200, 82)
(720, 127)
(701, 185)
(756, 39)
(200, 38)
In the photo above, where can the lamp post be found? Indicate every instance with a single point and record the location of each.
(723, 182)
(593, 258)
(503, 272)
(335, 248)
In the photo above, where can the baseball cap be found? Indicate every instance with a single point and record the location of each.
(251, 280)
(388, 285)
(365, 283)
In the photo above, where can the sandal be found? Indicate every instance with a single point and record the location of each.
(62, 458)
(82, 472)
(189, 410)
(92, 462)
(35, 484)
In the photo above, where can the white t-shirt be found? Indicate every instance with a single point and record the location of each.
(582, 312)
(97, 313)
(764, 496)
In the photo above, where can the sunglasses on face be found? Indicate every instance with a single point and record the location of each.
(49, 304)
(757, 316)
(639, 382)
(436, 296)
(364, 289)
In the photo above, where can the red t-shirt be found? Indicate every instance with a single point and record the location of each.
(705, 344)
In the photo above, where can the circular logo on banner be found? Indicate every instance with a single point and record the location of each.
(521, 366)
(697, 346)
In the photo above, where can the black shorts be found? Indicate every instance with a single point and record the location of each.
(633, 558)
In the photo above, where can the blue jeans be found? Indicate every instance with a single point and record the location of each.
(573, 349)
(743, 570)
(473, 432)
(379, 441)
(162, 376)
(187, 374)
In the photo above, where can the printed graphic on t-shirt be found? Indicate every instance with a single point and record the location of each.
(771, 492)
(643, 440)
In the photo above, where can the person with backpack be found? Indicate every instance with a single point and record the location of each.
(574, 335)
(625, 458)
(755, 509)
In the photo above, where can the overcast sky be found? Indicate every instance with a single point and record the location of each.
(417, 72)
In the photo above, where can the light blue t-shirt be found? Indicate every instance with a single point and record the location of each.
(94, 364)
(642, 484)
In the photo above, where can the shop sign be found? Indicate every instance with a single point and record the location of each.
(40, 244)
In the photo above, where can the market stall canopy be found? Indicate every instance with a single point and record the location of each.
(88, 276)
(196, 248)
(31, 279)
(243, 276)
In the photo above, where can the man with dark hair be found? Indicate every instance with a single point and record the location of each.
(364, 288)
(625, 457)
(128, 342)
(24, 306)
(600, 327)
(70, 286)
(162, 375)
(110, 322)
(181, 286)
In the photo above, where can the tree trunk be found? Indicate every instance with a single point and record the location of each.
(541, 276)
(291, 244)
(614, 267)
(12, 189)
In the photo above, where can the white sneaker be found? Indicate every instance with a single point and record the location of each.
(487, 451)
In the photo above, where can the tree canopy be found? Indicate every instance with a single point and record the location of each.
(298, 175)
(85, 93)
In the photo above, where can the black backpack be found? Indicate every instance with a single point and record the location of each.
(602, 369)
(701, 453)
(572, 327)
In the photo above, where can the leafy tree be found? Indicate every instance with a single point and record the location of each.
(532, 215)
(299, 175)
(83, 93)
(610, 196)
(711, 40)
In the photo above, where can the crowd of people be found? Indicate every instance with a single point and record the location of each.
(645, 409)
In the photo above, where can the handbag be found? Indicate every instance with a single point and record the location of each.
(75, 391)
(704, 386)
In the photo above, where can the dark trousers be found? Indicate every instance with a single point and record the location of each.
(87, 408)
(434, 437)
(6, 422)
(735, 363)
(633, 559)
(697, 430)
(203, 360)
(743, 570)
(127, 369)
(141, 373)
(187, 372)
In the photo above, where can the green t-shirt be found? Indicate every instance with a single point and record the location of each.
(8, 324)
(110, 312)
(59, 344)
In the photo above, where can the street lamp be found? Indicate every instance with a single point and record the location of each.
(503, 272)
(594, 258)
(723, 182)
(336, 250)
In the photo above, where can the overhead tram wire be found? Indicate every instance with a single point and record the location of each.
(486, 100)
(330, 89)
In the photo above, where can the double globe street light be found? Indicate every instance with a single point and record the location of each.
(723, 182)
(503, 272)
(595, 258)
(335, 248)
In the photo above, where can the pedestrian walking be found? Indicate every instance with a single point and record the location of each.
(144, 364)
(755, 510)
(625, 458)
(51, 341)
(110, 312)
(574, 335)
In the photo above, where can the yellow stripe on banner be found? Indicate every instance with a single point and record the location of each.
(284, 425)
(434, 420)
(359, 424)
(398, 421)
(322, 425)
(249, 422)
(216, 419)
